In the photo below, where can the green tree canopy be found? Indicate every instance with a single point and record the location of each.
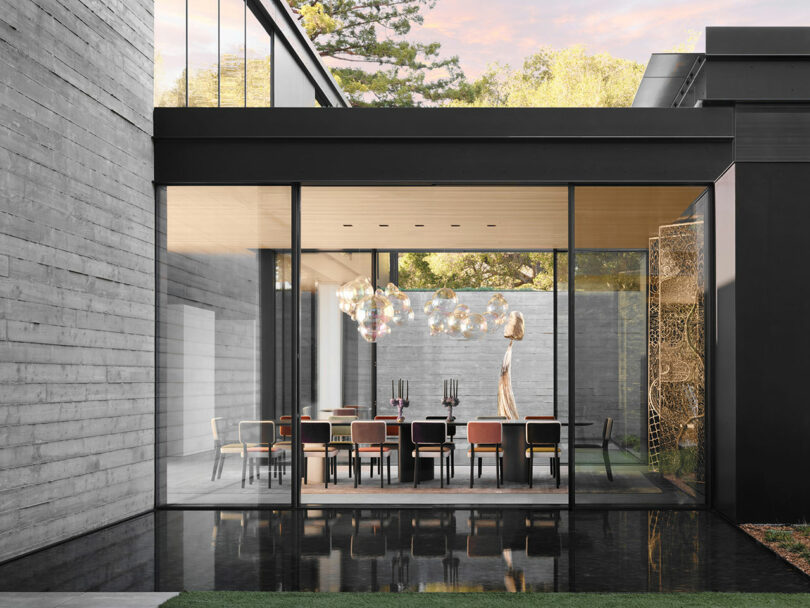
(389, 69)
(567, 77)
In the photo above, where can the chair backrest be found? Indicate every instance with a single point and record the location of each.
(451, 428)
(490, 418)
(543, 432)
(316, 431)
(429, 432)
(217, 428)
(368, 431)
(285, 430)
(607, 430)
(341, 425)
(257, 431)
(539, 418)
(392, 430)
(484, 432)
(345, 411)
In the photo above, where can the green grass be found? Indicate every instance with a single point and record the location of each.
(803, 529)
(779, 536)
(238, 599)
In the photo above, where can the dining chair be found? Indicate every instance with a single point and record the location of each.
(391, 432)
(543, 437)
(257, 439)
(491, 418)
(430, 441)
(316, 436)
(221, 447)
(368, 437)
(284, 442)
(451, 434)
(604, 444)
(345, 411)
(539, 418)
(342, 434)
(485, 438)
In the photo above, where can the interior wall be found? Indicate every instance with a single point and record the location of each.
(77, 268)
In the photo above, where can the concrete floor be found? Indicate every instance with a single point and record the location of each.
(83, 600)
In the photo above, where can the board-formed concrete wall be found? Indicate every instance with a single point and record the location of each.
(77, 281)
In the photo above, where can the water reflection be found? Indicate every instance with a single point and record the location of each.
(409, 550)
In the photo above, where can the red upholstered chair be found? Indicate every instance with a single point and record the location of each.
(539, 418)
(368, 437)
(485, 440)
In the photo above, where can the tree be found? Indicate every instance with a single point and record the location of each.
(376, 64)
(568, 77)
(472, 270)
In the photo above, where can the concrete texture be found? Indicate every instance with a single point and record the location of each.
(77, 266)
(84, 600)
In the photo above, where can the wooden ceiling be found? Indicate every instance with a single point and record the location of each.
(238, 219)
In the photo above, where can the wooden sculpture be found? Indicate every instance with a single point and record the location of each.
(512, 331)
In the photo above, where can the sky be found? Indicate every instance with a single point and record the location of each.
(481, 32)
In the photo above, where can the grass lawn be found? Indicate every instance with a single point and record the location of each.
(246, 599)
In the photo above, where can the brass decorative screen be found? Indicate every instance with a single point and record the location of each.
(676, 353)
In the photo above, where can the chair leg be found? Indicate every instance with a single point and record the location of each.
(388, 466)
(244, 468)
(335, 469)
(500, 466)
(305, 469)
(531, 467)
(441, 469)
(279, 462)
(350, 463)
(356, 460)
(381, 460)
(326, 464)
(453, 462)
(447, 462)
(497, 466)
(216, 464)
(221, 462)
(557, 468)
(472, 464)
(480, 466)
(269, 466)
(416, 468)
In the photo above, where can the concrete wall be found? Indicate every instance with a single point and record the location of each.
(76, 268)
(610, 359)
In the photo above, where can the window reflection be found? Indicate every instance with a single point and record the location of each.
(202, 53)
(170, 53)
(232, 53)
(257, 63)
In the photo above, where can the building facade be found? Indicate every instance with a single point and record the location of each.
(106, 304)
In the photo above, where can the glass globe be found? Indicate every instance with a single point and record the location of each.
(402, 307)
(437, 323)
(445, 300)
(499, 308)
(474, 327)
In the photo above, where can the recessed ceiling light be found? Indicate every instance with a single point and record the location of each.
(347, 225)
(383, 225)
(455, 225)
(490, 225)
(419, 225)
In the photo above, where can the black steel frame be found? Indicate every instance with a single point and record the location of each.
(294, 348)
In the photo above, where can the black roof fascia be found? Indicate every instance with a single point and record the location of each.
(303, 50)
(441, 145)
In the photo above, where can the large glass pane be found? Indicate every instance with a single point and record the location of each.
(640, 282)
(224, 343)
(258, 63)
(203, 85)
(170, 53)
(232, 53)
(475, 242)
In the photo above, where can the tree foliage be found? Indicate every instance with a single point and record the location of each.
(376, 64)
(595, 270)
(567, 77)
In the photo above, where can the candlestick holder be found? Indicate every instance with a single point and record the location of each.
(399, 404)
(450, 403)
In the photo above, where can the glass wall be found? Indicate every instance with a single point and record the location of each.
(411, 242)
(640, 344)
(224, 344)
(211, 53)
